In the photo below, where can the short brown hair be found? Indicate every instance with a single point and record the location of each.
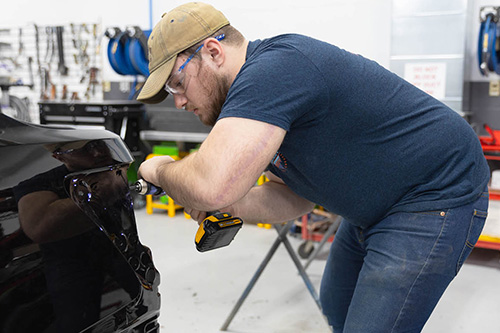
(231, 37)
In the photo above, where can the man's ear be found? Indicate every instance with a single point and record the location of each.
(215, 51)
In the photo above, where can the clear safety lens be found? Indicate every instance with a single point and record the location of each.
(177, 83)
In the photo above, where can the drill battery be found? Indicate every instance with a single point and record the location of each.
(217, 230)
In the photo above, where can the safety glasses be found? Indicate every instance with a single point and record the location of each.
(178, 82)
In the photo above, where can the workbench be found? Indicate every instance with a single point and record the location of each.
(126, 118)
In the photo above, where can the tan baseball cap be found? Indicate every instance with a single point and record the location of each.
(177, 31)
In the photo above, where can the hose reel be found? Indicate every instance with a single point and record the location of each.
(127, 50)
(487, 47)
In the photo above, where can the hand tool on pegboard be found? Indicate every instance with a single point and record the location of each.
(62, 68)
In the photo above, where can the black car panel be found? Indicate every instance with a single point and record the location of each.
(70, 256)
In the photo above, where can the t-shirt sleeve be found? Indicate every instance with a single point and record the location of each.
(277, 85)
(52, 180)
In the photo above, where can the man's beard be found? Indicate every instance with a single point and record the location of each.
(217, 87)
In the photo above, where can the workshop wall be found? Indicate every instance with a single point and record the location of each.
(360, 26)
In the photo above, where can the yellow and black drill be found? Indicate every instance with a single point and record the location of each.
(217, 229)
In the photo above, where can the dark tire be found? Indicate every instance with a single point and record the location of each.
(305, 249)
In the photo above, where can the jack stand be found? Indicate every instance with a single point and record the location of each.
(282, 238)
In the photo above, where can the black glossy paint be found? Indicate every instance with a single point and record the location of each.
(70, 256)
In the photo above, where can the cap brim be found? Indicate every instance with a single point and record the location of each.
(52, 147)
(153, 91)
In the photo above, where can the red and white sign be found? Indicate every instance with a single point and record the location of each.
(430, 77)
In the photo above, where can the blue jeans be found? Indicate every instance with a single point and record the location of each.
(389, 277)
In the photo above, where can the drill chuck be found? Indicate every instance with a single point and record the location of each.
(142, 187)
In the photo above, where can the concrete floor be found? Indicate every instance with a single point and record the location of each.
(199, 290)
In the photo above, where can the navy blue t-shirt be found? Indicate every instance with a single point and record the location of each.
(361, 141)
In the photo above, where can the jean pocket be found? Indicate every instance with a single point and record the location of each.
(475, 229)
(441, 213)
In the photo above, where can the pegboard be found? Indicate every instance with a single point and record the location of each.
(78, 78)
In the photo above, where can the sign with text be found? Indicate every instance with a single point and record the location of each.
(430, 77)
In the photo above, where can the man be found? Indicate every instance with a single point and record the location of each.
(406, 172)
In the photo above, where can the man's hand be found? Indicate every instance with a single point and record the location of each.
(196, 215)
(148, 169)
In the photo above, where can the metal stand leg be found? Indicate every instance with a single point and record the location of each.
(282, 231)
(331, 230)
(302, 272)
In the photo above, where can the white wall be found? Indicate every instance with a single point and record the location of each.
(361, 26)
(59, 12)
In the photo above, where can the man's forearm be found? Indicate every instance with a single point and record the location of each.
(271, 203)
(196, 183)
(186, 188)
(46, 218)
(190, 183)
(225, 168)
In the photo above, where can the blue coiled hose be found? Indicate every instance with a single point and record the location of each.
(127, 56)
(137, 55)
(486, 48)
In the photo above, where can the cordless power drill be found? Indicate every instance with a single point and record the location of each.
(217, 229)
